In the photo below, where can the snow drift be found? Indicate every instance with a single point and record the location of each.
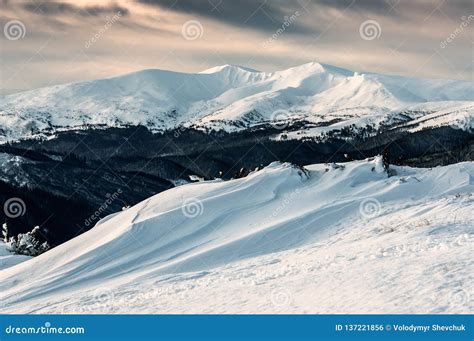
(7, 259)
(232, 97)
(325, 239)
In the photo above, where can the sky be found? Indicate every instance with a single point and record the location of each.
(44, 43)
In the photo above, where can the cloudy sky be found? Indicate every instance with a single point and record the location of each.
(51, 42)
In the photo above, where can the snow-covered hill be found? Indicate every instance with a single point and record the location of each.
(329, 239)
(7, 259)
(231, 97)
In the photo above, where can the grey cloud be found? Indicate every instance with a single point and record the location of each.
(58, 8)
(267, 16)
(150, 37)
(261, 15)
(401, 8)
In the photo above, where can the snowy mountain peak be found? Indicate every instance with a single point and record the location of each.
(233, 97)
(228, 68)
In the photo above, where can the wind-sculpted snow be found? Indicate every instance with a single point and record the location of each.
(325, 239)
(8, 259)
(232, 97)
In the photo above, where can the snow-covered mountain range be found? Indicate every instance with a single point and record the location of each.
(322, 239)
(232, 98)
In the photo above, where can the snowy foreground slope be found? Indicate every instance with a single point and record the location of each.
(281, 240)
(234, 98)
(8, 259)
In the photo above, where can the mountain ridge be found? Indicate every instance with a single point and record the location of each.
(230, 97)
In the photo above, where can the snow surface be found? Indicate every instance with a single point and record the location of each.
(334, 239)
(232, 97)
(7, 259)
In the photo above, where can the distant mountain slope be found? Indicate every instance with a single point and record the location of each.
(231, 97)
(331, 238)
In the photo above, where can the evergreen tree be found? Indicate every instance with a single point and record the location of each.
(386, 159)
(5, 232)
(28, 244)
